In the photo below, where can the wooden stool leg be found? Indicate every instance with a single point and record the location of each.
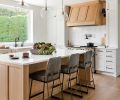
(86, 83)
(43, 90)
(31, 82)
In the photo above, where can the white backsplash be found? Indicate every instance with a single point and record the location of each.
(77, 35)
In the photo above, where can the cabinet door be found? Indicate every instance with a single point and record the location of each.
(100, 59)
(100, 65)
(92, 13)
(3, 82)
(82, 13)
(74, 14)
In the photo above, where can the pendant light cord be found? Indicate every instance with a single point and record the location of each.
(22, 2)
(62, 7)
(46, 5)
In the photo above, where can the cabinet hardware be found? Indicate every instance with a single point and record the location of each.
(109, 68)
(109, 56)
(108, 61)
(108, 51)
(100, 51)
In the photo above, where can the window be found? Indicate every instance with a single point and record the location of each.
(13, 23)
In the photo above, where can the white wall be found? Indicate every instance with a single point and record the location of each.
(112, 23)
(39, 26)
(55, 27)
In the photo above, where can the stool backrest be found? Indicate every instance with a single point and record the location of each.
(54, 66)
(74, 60)
(88, 58)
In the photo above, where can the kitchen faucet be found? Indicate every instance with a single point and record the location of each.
(16, 40)
(22, 44)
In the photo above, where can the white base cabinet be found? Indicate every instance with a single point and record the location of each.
(100, 64)
(106, 61)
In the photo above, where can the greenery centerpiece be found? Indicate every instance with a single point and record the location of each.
(42, 48)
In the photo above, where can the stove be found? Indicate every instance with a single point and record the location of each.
(88, 46)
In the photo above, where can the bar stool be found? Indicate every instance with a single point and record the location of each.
(87, 63)
(50, 75)
(70, 69)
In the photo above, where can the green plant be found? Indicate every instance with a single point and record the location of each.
(44, 48)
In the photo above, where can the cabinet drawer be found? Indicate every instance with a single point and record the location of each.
(110, 51)
(110, 60)
(100, 65)
(110, 68)
(110, 55)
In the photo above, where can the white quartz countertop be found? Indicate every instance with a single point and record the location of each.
(4, 58)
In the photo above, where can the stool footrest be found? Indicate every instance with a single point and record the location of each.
(86, 86)
(69, 92)
(56, 85)
(79, 90)
(37, 94)
(73, 78)
(55, 97)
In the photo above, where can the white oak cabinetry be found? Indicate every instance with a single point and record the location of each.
(3, 82)
(89, 13)
(106, 60)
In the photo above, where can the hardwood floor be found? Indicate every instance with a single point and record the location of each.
(107, 88)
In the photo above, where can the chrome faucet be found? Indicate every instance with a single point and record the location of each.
(16, 40)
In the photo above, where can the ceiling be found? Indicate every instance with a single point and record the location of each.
(57, 3)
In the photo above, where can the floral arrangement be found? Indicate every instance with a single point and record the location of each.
(43, 48)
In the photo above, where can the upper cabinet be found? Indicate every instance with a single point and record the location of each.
(90, 13)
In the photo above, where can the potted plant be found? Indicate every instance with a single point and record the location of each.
(42, 48)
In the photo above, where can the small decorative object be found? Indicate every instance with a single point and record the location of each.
(103, 40)
(25, 55)
(14, 58)
(11, 55)
(42, 48)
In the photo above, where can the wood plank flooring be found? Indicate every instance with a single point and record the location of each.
(107, 88)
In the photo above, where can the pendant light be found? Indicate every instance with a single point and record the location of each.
(22, 3)
(44, 10)
(64, 13)
(62, 7)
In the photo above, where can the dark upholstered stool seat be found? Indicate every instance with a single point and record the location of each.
(41, 76)
(67, 70)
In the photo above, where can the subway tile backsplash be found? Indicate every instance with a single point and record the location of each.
(77, 34)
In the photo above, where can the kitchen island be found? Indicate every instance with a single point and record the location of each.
(14, 74)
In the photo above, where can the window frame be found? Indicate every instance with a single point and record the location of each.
(29, 26)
